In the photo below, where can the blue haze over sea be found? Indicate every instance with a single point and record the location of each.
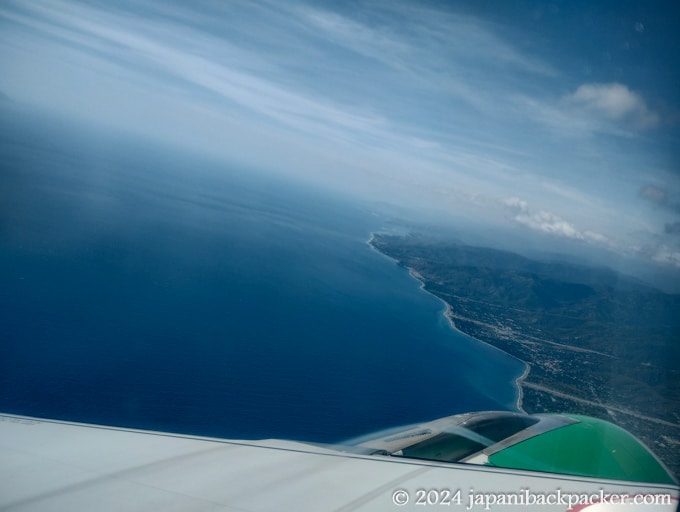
(150, 288)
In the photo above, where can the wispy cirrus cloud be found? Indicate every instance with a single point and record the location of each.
(180, 60)
(158, 52)
(423, 40)
(443, 106)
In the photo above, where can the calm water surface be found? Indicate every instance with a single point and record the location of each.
(156, 290)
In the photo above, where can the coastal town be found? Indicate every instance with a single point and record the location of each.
(582, 352)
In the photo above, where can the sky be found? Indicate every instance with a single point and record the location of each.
(559, 119)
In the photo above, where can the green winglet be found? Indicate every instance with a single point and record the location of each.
(591, 447)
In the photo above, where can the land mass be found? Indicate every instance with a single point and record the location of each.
(595, 342)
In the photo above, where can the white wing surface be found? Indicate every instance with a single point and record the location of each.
(60, 466)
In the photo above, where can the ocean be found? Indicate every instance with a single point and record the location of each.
(147, 287)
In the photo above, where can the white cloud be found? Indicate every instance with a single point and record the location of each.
(615, 102)
(369, 41)
(548, 222)
(395, 100)
(516, 203)
(667, 255)
(595, 237)
(610, 108)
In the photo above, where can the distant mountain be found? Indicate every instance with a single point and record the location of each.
(604, 301)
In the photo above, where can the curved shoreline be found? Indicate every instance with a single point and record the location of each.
(544, 392)
(448, 314)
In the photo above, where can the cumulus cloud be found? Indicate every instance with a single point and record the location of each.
(614, 102)
(548, 222)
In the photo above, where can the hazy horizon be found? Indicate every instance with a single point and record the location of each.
(553, 124)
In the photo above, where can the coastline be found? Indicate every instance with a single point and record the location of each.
(540, 388)
(448, 314)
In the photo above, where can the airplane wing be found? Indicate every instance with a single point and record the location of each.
(48, 465)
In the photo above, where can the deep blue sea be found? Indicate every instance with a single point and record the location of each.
(150, 288)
